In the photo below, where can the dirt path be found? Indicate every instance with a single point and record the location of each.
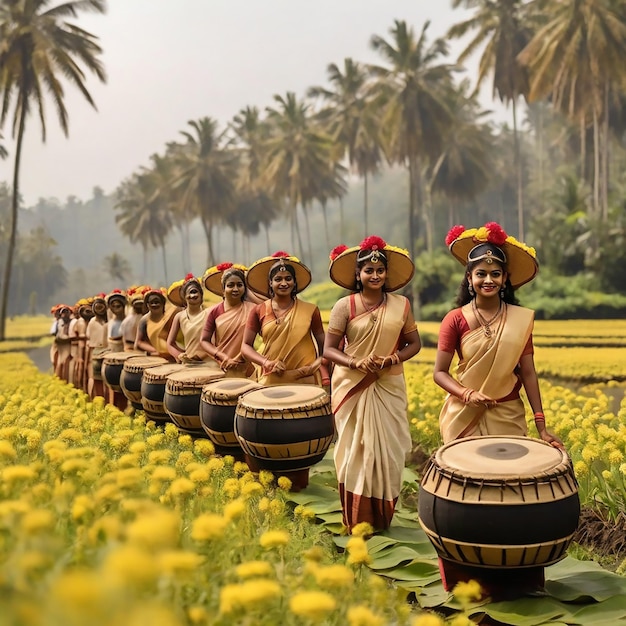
(41, 358)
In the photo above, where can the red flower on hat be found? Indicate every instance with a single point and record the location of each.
(223, 267)
(189, 276)
(336, 251)
(497, 234)
(454, 233)
(281, 254)
(373, 243)
(116, 291)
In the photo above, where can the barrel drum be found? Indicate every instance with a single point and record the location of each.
(499, 502)
(132, 372)
(183, 391)
(217, 412)
(285, 428)
(97, 359)
(112, 367)
(153, 382)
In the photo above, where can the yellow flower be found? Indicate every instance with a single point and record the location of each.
(364, 529)
(155, 440)
(79, 590)
(315, 605)
(251, 489)
(215, 465)
(82, 505)
(185, 441)
(182, 486)
(264, 505)
(131, 565)
(240, 468)
(138, 447)
(15, 473)
(7, 451)
(184, 458)
(276, 507)
(179, 562)
(362, 616)
(129, 478)
(208, 526)
(200, 475)
(253, 569)
(315, 554)
(204, 447)
(334, 576)
(159, 456)
(357, 551)
(266, 478)
(284, 483)
(234, 509)
(197, 614)
(159, 528)
(460, 620)
(231, 487)
(274, 539)
(250, 594)
(107, 528)
(34, 522)
(467, 591)
(163, 473)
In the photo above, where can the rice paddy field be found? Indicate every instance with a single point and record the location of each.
(108, 519)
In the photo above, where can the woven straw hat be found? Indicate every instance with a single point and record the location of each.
(175, 290)
(343, 262)
(258, 273)
(521, 260)
(213, 276)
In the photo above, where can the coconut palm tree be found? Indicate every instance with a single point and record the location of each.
(205, 180)
(502, 30)
(576, 58)
(118, 268)
(3, 151)
(298, 154)
(411, 93)
(352, 121)
(39, 51)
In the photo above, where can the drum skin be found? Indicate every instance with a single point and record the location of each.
(153, 390)
(181, 400)
(113, 365)
(285, 427)
(479, 510)
(217, 412)
(132, 373)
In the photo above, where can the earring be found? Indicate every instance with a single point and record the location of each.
(502, 293)
(470, 288)
(359, 285)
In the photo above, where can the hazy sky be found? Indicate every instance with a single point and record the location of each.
(169, 61)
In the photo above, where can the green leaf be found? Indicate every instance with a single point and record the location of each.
(392, 557)
(526, 611)
(604, 613)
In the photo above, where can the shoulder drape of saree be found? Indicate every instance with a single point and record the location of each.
(366, 335)
(291, 342)
(157, 332)
(488, 365)
(229, 331)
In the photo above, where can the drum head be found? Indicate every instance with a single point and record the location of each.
(228, 388)
(502, 457)
(285, 397)
(117, 358)
(140, 363)
(161, 372)
(196, 376)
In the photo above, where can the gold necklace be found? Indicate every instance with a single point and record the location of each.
(486, 324)
(371, 310)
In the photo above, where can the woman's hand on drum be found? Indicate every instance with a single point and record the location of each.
(229, 364)
(548, 437)
(274, 367)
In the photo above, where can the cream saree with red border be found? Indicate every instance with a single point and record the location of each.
(371, 418)
(488, 365)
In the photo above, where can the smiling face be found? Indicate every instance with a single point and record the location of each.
(283, 283)
(234, 289)
(372, 275)
(487, 278)
(193, 294)
(155, 303)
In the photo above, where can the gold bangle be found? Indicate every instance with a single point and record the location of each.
(351, 363)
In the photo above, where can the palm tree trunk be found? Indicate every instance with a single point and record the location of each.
(164, 256)
(411, 233)
(341, 220)
(267, 238)
(6, 278)
(365, 206)
(596, 163)
(326, 234)
(308, 236)
(605, 156)
(583, 147)
(518, 170)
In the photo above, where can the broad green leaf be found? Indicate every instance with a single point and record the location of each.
(611, 611)
(527, 611)
(392, 557)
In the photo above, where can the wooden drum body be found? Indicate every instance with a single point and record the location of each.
(217, 412)
(499, 502)
(153, 382)
(285, 428)
(183, 390)
(113, 365)
(132, 372)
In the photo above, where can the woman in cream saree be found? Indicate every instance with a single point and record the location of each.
(369, 398)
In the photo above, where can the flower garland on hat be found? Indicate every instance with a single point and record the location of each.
(521, 259)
